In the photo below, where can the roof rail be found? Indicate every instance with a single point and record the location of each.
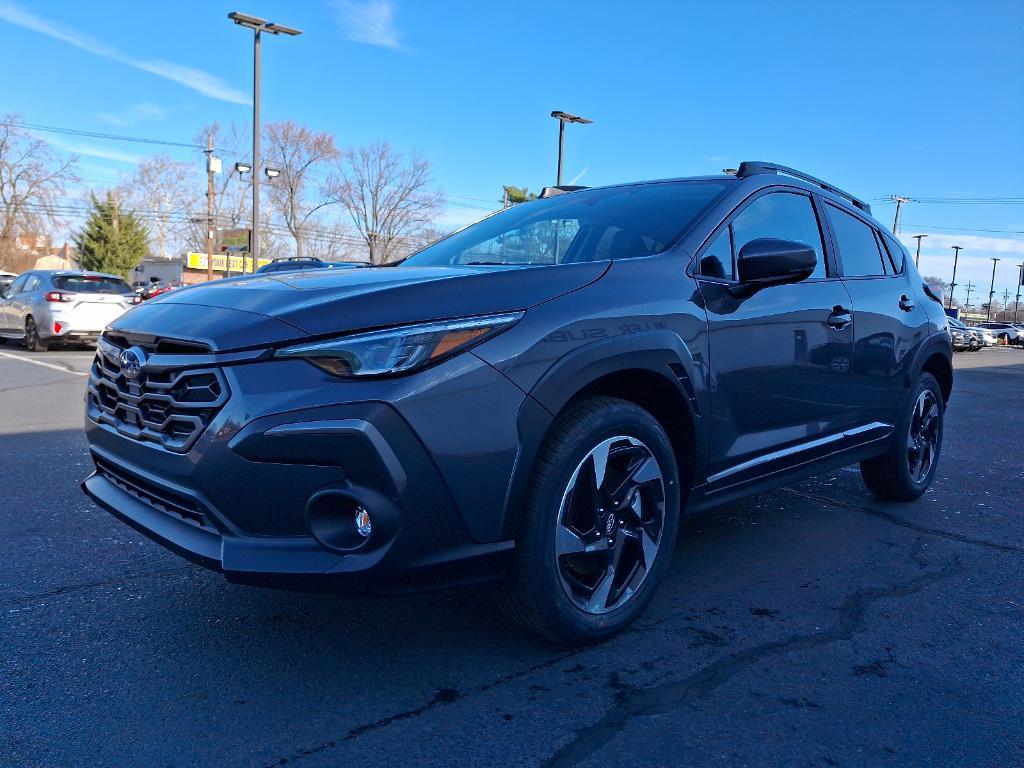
(751, 167)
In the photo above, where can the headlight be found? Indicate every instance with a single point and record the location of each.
(401, 349)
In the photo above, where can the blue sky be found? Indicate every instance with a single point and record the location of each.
(914, 98)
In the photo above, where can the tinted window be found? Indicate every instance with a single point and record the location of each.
(897, 253)
(18, 284)
(589, 225)
(31, 284)
(717, 259)
(784, 216)
(858, 249)
(90, 284)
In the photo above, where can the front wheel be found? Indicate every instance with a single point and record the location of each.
(906, 470)
(600, 524)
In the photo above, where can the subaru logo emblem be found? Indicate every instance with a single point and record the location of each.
(132, 360)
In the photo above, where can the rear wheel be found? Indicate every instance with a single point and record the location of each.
(600, 524)
(33, 343)
(906, 470)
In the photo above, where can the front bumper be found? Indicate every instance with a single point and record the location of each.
(431, 463)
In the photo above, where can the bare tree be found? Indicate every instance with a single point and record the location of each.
(33, 180)
(297, 194)
(387, 195)
(166, 193)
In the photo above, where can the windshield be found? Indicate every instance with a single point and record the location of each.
(589, 225)
(90, 284)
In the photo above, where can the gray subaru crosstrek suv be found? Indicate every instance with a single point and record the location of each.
(534, 400)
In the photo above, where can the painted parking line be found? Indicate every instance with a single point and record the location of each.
(43, 363)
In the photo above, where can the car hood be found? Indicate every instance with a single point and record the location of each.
(280, 307)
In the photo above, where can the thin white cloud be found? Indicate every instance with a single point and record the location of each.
(190, 77)
(973, 245)
(142, 112)
(371, 22)
(579, 175)
(90, 150)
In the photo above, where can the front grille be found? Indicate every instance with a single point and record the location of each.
(158, 497)
(170, 408)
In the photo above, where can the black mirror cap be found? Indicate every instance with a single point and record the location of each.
(767, 260)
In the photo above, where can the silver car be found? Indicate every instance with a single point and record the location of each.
(46, 306)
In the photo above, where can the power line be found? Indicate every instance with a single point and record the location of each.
(98, 135)
(967, 229)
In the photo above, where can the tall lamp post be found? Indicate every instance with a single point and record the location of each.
(1020, 282)
(917, 259)
(258, 27)
(563, 118)
(991, 289)
(952, 285)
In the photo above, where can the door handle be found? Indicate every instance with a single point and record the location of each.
(840, 318)
(906, 303)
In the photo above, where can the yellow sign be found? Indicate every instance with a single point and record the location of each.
(220, 262)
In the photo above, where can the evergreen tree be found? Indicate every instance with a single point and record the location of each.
(516, 195)
(112, 240)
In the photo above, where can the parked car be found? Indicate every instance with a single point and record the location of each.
(1007, 332)
(295, 263)
(46, 306)
(469, 416)
(6, 278)
(988, 338)
(963, 340)
(975, 336)
(158, 289)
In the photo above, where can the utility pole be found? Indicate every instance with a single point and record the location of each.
(896, 221)
(1006, 302)
(991, 289)
(1020, 280)
(212, 167)
(967, 304)
(917, 259)
(952, 285)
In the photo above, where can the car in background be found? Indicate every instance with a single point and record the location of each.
(6, 278)
(974, 337)
(45, 306)
(963, 340)
(988, 338)
(158, 288)
(294, 263)
(1007, 331)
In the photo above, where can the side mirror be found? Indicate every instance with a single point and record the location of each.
(768, 261)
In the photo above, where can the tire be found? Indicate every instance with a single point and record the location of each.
(583, 571)
(32, 341)
(906, 470)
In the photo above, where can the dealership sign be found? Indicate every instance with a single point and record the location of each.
(223, 262)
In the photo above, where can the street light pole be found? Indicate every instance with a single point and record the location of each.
(258, 26)
(991, 289)
(917, 259)
(1020, 281)
(563, 118)
(952, 285)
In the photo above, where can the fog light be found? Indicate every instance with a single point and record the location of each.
(364, 526)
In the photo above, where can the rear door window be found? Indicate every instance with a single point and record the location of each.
(90, 284)
(897, 253)
(858, 249)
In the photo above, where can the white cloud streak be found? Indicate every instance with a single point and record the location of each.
(133, 115)
(371, 22)
(89, 150)
(190, 77)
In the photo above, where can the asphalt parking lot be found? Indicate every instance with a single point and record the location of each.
(810, 626)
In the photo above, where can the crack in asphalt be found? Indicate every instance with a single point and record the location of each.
(92, 584)
(632, 702)
(897, 520)
(443, 697)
